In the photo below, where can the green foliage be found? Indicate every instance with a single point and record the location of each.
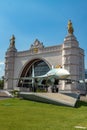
(14, 92)
(41, 90)
(16, 114)
(1, 83)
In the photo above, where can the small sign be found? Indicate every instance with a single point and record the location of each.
(58, 66)
(35, 50)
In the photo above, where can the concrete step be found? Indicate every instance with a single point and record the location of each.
(4, 93)
(53, 98)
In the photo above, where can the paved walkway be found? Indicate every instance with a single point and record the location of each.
(4, 95)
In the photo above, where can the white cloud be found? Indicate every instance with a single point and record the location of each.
(1, 63)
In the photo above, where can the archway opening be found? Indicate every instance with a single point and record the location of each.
(36, 67)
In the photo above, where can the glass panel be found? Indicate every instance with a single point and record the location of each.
(40, 68)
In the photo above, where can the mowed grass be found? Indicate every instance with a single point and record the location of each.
(16, 114)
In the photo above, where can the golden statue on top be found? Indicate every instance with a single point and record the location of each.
(70, 27)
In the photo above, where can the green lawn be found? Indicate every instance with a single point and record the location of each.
(16, 114)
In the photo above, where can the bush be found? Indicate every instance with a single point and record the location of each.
(15, 93)
(1, 83)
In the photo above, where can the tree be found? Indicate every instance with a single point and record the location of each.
(2, 83)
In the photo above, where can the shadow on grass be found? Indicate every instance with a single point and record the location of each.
(81, 103)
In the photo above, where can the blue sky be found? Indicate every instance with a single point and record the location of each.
(42, 19)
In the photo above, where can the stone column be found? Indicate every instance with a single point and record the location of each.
(70, 56)
(9, 65)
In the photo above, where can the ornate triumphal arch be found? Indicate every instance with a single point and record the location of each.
(38, 60)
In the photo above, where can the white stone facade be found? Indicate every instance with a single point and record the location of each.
(69, 55)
